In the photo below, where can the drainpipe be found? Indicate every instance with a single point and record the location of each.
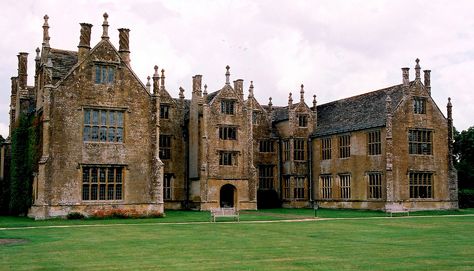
(310, 171)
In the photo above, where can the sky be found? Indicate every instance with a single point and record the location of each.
(337, 49)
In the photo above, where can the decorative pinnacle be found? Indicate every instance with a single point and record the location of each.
(251, 89)
(417, 69)
(449, 102)
(163, 78)
(148, 81)
(314, 99)
(181, 93)
(290, 98)
(156, 72)
(105, 26)
(37, 52)
(46, 37)
(205, 89)
(227, 75)
(270, 101)
(302, 93)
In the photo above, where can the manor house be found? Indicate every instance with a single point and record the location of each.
(107, 140)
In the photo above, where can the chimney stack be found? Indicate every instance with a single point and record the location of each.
(124, 44)
(84, 41)
(428, 80)
(239, 87)
(22, 69)
(197, 80)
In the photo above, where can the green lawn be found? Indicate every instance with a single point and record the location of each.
(414, 243)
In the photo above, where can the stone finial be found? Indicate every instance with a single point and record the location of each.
(162, 78)
(314, 103)
(38, 53)
(148, 85)
(46, 37)
(302, 93)
(105, 27)
(290, 100)
(251, 90)
(181, 93)
(205, 90)
(417, 69)
(156, 78)
(406, 76)
(227, 75)
(270, 104)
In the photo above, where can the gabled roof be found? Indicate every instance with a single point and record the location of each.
(356, 113)
(279, 113)
(63, 61)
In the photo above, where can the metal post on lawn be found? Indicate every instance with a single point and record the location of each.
(315, 206)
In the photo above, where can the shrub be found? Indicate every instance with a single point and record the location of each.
(466, 198)
(124, 213)
(75, 215)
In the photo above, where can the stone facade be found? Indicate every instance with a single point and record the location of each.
(109, 141)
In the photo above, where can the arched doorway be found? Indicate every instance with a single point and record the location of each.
(227, 195)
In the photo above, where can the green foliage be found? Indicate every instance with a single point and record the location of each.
(466, 198)
(2, 139)
(464, 152)
(23, 159)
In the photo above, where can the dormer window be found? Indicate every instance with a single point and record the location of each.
(227, 107)
(104, 74)
(303, 120)
(419, 105)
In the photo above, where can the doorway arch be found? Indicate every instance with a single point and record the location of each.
(228, 196)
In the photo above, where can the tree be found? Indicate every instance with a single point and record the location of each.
(464, 152)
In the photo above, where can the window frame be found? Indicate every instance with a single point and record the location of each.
(228, 132)
(92, 182)
(419, 105)
(165, 146)
(374, 142)
(97, 129)
(168, 180)
(375, 185)
(345, 186)
(303, 120)
(424, 181)
(299, 147)
(299, 189)
(266, 146)
(420, 142)
(228, 158)
(266, 177)
(228, 106)
(104, 73)
(326, 186)
(326, 148)
(164, 111)
(344, 146)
